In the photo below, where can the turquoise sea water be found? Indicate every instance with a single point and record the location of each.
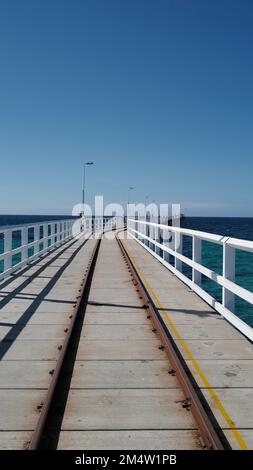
(211, 253)
(236, 227)
(212, 256)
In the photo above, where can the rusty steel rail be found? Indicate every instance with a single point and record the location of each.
(209, 436)
(44, 407)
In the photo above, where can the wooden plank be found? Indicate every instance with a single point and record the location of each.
(237, 402)
(17, 305)
(113, 308)
(4, 330)
(116, 332)
(122, 374)
(118, 283)
(50, 318)
(48, 306)
(14, 440)
(227, 373)
(221, 331)
(10, 317)
(61, 294)
(120, 318)
(44, 318)
(117, 299)
(125, 440)
(218, 349)
(37, 332)
(126, 409)
(247, 435)
(181, 316)
(122, 350)
(20, 374)
(42, 350)
(18, 409)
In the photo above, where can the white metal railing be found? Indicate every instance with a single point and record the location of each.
(162, 240)
(34, 240)
(96, 224)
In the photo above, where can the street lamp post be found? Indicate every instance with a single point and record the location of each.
(84, 188)
(84, 185)
(131, 188)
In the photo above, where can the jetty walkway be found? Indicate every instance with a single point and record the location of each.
(103, 347)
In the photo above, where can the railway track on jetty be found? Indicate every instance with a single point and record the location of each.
(119, 381)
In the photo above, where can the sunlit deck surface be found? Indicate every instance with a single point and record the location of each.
(119, 394)
(219, 357)
(35, 310)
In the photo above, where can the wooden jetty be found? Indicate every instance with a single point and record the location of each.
(103, 348)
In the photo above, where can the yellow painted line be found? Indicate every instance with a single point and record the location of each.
(198, 369)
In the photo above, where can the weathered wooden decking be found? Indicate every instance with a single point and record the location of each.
(35, 310)
(219, 357)
(121, 395)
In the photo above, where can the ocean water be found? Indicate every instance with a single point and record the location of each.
(211, 253)
(27, 219)
(236, 227)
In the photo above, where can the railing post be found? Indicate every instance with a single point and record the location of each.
(228, 297)
(147, 232)
(45, 236)
(157, 239)
(178, 239)
(153, 235)
(74, 229)
(135, 226)
(141, 231)
(8, 248)
(58, 233)
(55, 234)
(24, 243)
(49, 233)
(36, 239)
(138, 229)
(197, 257)
(166, 242)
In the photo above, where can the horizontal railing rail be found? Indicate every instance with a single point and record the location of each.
(163, 240)
(102, 223)
(23, 244)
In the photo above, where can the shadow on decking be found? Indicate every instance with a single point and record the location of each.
(106, 304)
(16, 329)
(30, 278)
(34, 296)
(196, 313)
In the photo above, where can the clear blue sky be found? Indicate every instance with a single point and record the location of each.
(158, 93)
